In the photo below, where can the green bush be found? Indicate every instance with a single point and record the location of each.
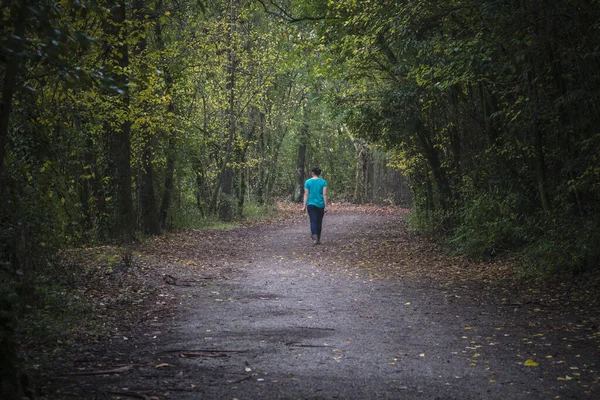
(566, 246)
(256, 212)
(487, 226)
(428, 222)
(191, 217)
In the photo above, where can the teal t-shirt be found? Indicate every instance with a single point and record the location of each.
(315, 192)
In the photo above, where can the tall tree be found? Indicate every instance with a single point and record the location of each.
(117, 125)
(148, 210)
(15, 46)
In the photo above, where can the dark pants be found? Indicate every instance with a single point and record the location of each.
(316, 219)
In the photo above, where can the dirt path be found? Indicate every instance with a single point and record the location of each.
(372, 313)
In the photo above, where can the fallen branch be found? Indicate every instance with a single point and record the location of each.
(178, 389)
(119, 370)
(171, 280)
(204, 351)
(296, 344)
(240, 380)
(204, 354)
(315, 327)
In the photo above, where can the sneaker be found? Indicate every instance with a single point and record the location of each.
(318, 239)
(314, 239)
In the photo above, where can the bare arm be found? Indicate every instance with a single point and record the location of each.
(305, 199)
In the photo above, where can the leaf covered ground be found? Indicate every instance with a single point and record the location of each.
(258, 312)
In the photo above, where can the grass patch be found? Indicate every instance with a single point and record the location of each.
(215, 224)
(192, 218)
(255, 212)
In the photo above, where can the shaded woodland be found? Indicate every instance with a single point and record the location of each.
(491, 110)
(125, 119)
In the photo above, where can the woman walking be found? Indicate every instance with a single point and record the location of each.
(315, 202)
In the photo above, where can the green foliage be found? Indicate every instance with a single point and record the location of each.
(428, 223)
(489, 108)
(487, 227)
(562, 247)
(256, 212)
(55, 312)
(128, 118)
(191, 217)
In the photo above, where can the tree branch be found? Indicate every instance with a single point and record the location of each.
(283, 14)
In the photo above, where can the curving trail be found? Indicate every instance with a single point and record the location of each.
(372, 313)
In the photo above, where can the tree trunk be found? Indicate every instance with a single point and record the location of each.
(455, 139)
(119, 130)
(201, 194)
(169, 183)
(150, 217)
(226, 211)
(13, 66)
(148, 210)
(261, 191)
(369, 177)
(301, 164)
(360, 186)
(540, 170)
(93, 195)
(439, 175)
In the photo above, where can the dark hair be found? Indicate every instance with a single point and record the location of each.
(316, 171)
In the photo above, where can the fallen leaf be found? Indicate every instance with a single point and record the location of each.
(530, 363)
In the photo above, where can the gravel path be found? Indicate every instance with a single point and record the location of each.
(289, 320)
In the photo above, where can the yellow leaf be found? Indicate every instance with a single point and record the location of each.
(467, 328)
(530, 363)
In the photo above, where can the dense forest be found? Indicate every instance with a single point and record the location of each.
(122, 119)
